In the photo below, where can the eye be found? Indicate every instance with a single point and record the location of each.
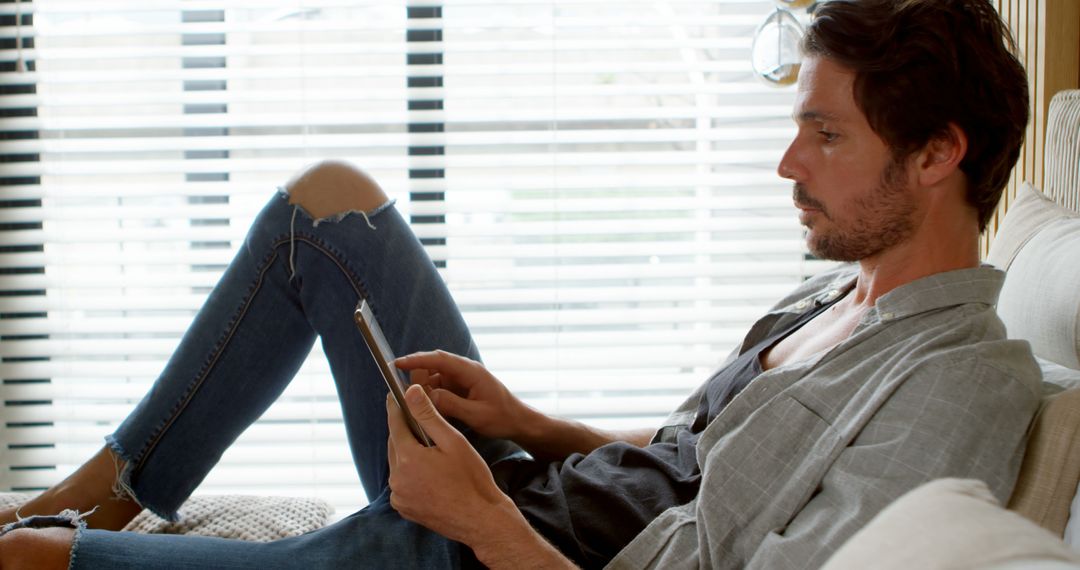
(828, 136)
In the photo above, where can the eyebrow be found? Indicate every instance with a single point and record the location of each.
(815, 116)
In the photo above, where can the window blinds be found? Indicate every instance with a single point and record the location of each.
(595, 180)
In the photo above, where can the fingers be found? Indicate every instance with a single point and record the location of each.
(459, 368)
(425, 414)
(424, 377)
(452, 405)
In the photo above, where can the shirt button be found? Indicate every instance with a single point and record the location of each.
(886, 316)
(802, 304)
(833, 293)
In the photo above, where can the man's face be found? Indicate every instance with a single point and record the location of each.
(853, 198)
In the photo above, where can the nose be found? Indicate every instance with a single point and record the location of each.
(790, 167)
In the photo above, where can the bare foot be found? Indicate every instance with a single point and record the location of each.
(40, 549)
(89, 487)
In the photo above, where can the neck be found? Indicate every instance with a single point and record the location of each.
(934, 248)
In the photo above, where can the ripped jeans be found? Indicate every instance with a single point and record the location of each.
(293, 280)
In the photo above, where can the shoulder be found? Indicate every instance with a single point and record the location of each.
(939, 367)
(960, 353)
(969, 343)
(957, 374)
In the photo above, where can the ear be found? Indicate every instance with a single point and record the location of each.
(941, 156)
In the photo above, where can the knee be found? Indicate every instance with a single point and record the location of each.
(36, 548)
(334, 186)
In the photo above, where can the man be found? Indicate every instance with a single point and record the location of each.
(860, 385)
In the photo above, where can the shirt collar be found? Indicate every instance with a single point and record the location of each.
(976, 285)
(960, 287)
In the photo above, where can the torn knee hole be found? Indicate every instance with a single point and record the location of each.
(332, 188)
(315, 222)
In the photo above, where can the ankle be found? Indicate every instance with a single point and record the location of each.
(93, 485)
(110, 510)
(41, 504)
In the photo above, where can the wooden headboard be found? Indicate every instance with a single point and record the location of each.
(1047, 33)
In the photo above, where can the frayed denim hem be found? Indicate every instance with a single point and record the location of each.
(121, 488)
(75, 546)
(67, 518)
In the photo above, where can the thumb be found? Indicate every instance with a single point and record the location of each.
(437, 428)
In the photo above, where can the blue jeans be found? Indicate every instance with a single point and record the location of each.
(294, 280)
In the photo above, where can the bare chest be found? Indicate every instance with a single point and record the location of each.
(823, 332)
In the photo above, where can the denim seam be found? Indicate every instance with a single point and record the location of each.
(331, 253)
(204, 372)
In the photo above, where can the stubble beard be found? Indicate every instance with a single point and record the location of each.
(880, 220)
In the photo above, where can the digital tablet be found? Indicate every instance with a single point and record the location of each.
(395, 378)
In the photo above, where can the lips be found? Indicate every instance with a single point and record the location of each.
(802, 200)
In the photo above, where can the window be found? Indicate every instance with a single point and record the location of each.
(596, 181)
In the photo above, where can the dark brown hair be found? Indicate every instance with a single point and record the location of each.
(923, 64)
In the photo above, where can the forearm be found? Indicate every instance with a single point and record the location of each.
(515, 545)
(547, 437)
(464, 389)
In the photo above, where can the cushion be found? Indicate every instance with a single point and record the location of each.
(1029, 212)
(1038, 244)
(1051, 469)
(1061, 152)
(259, 519)
(1072, 529)
(950, 523)
(1057, 377)
(1032, 565)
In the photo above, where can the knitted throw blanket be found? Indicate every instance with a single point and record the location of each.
(242, 517)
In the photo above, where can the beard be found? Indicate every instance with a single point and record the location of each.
(870, 224)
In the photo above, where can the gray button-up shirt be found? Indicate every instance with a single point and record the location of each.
(927, 386)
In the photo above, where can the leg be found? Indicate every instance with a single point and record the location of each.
(344, 217)
(92, 485)
(324, 190)
(297, 275)
(373, 538)
(36, 549)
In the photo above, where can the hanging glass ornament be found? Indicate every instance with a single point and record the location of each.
(793, 4)
(775, 52)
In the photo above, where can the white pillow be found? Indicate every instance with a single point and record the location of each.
(1032, 565)
(1058, 375)
(950, 524)
(1038, 245)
